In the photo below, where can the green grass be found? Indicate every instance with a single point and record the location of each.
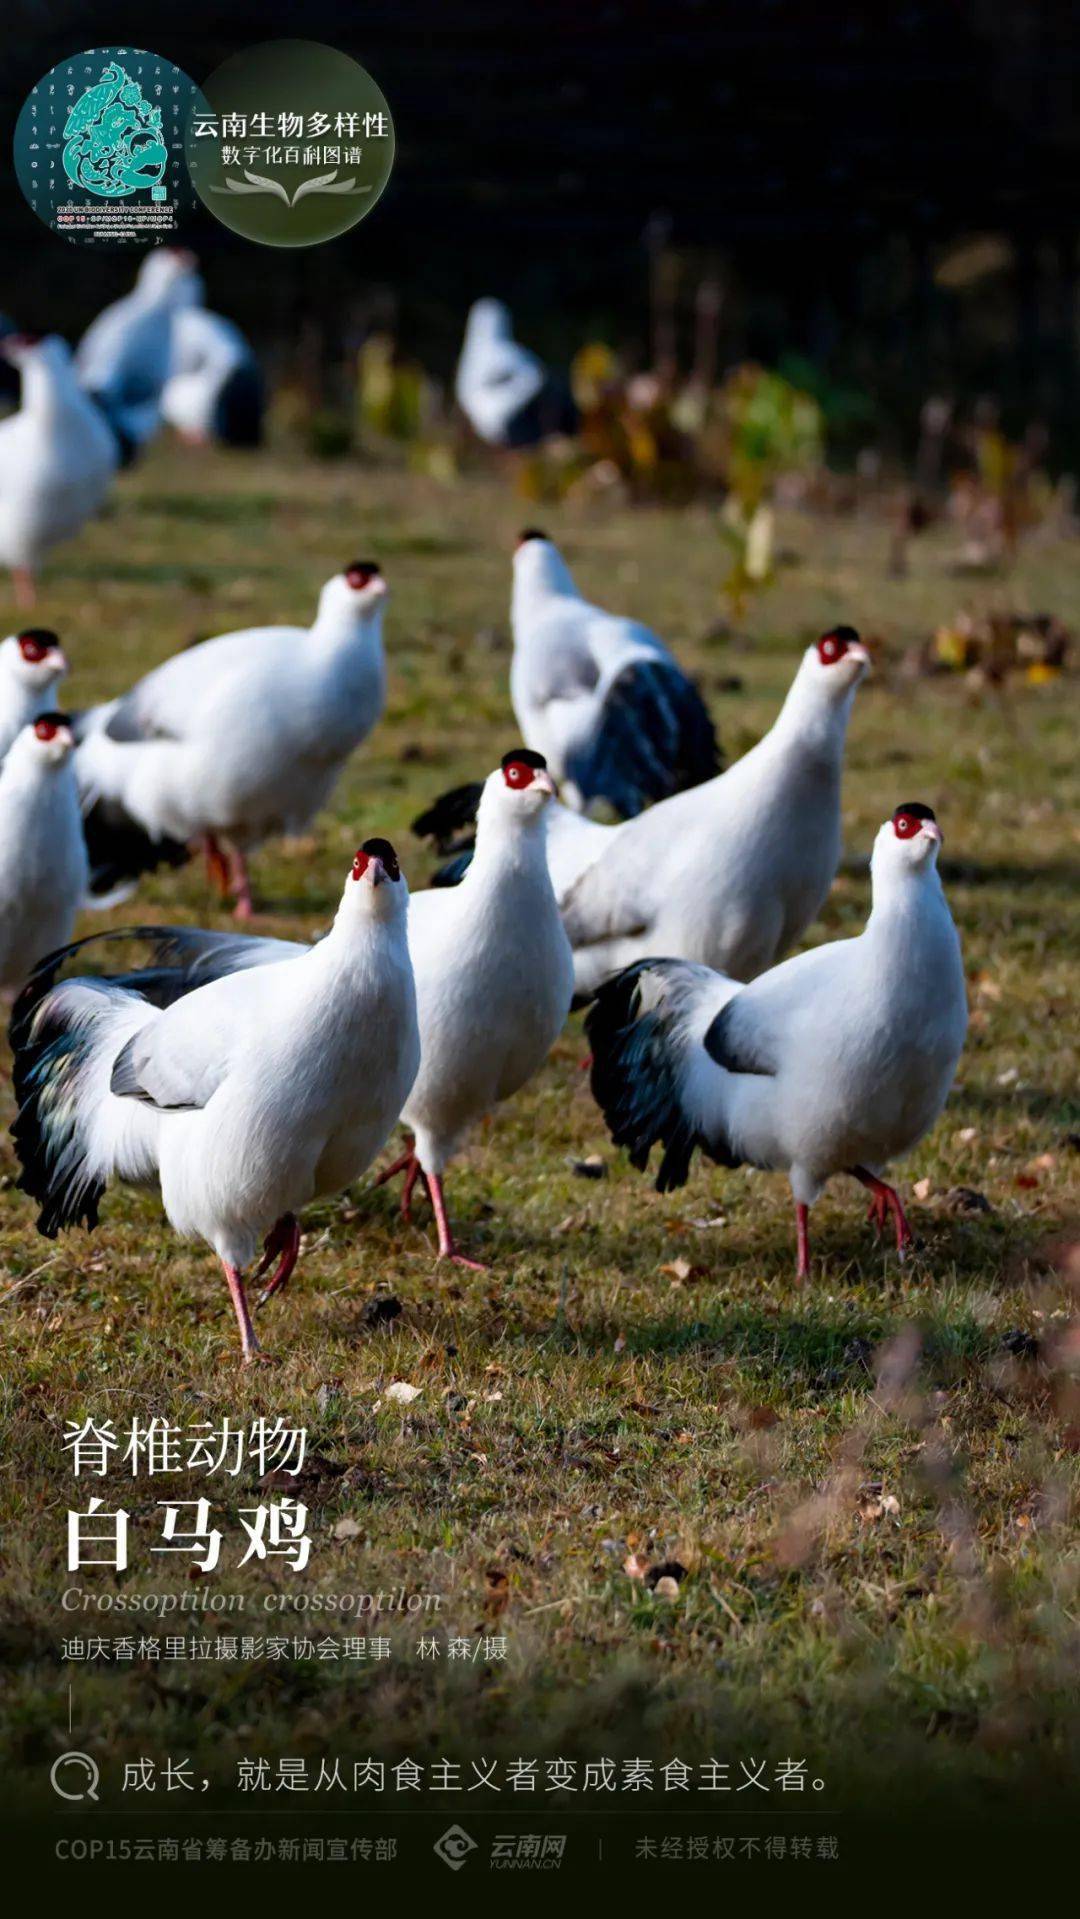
(634, 1375)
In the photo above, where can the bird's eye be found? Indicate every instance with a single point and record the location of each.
(34, 646)
(45, 729)
(518, 775)
(830, 649)
(905, 826)
(359, 866)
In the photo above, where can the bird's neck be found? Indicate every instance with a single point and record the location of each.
(811, 724)
(509, 856)
(905, 906)
(50, 392)
(338, 633)
(543, 579)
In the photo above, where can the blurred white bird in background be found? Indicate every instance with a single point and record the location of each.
(236, 739)
(244, 1099)
(43, 864)
(840, 1060)
(507, 395)
(125, 356)
(58, 456)
(215, 387)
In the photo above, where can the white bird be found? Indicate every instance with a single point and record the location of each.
(215, 388)
(125, 356)
(729, 873)
(840, 1060)
(504, 391)
(237, 738)
(600, 696)
(494, 979)
(244, 1100)
(43, 865)
(57, 459)
(494, 976)
(31, 665)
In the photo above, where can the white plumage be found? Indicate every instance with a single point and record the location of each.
(599, 695)
(840, 1060)
(214, 389)
(496, 378)
(242, 736)
(57, 459)
(125, 356)
(494, 976)
(245, 1099)
(43, 866)
(32, 664)
(733, 871)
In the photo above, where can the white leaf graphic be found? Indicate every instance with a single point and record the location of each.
(319, 183)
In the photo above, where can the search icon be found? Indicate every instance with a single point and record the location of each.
(85, 1768)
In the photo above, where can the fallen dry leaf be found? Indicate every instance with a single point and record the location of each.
(402, 1392)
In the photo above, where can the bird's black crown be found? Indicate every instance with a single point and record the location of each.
(917, 811)
(524, 756)
(531, 533)
(382, 850)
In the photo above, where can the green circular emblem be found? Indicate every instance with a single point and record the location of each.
(291, 143)
(99, 147)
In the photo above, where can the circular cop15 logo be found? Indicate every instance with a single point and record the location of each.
(291, 143)
(99, 147)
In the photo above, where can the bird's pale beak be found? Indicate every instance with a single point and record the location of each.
(932, 831)
(859, 652)
(376, 871)
(544, 781)
(58, 658)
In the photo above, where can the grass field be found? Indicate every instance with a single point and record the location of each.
(870, 1483)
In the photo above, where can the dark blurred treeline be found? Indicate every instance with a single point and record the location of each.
(887, 192)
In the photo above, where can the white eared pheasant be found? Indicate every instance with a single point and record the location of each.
(840, 1060)
(600, 696)
(125, 356)
(244, 1099)
(215, 388)
(506, 394)
(57, 459)
(43, 865)
(494, 979)
(731, 872)
(31, 665)
(236, 739)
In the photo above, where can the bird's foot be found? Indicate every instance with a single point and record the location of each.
(885, 1200)
(258, 1356)
(399, 1165)
(284, 1240)
(244, 908)
(455, 1258)
(877, 1214)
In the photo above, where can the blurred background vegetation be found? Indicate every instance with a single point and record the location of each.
(876, 204)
